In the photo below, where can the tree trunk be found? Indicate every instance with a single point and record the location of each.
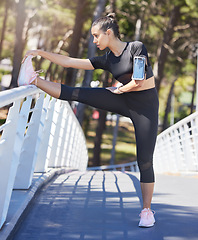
(74, 45)
(98, 138)
(163, 51)
(100, 128)
(4, 26)
(138, 29)
(102, 117)
(112, 6)
(193, 94)
(168, 106)
(91, 52)
(19, 42)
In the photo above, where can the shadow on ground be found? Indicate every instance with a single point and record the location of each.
(103, 206)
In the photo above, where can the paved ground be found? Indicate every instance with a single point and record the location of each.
(105, 206)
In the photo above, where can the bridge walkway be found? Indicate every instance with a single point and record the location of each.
(104, 205)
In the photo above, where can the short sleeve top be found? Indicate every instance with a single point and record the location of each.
(121, 67)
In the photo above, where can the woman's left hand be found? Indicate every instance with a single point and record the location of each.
(114, 90)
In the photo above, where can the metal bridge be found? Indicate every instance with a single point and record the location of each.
(47, 192)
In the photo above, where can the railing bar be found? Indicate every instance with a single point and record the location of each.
(12, 95)
(4, 125)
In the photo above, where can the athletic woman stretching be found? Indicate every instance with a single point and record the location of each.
(135, 99)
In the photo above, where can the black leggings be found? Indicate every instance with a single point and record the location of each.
(140, 106)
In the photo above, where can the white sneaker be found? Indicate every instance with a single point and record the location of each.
(147, 218)
(27, 74)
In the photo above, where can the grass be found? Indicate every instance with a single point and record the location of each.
(125, 145)
(3, 115)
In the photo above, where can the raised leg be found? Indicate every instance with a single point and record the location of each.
(96, 97)
(53, 89)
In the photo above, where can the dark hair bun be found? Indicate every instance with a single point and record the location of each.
(111, 15)
(108, 22)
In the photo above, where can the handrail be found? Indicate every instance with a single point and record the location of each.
(15, 94)
(177, 147)
(132, 166)
(40, 132)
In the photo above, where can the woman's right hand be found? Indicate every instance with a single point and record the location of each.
(31, 52)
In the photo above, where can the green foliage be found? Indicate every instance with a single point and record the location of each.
(189, 67)
(192, 4)
(184, 82)
(49, 21)
(3, 72)
(97, 74)
(2, 121)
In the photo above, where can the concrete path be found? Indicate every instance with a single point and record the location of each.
(105, 206)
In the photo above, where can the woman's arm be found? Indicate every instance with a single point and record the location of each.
(131, 86)
(62, 60)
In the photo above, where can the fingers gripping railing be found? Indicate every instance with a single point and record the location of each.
(40, 132)
(177, 147)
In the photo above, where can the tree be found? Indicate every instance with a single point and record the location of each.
(111, 7)
(19, 41)
(163, 49)
(7, 3)
(193, 93)
(102, 114)
(168, 105)
(100, 126)
(76, 36)
(91, 52)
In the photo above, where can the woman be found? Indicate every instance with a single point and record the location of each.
(134, 99)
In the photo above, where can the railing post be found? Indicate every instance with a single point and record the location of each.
(42, 160)
(8, 160)
(70, 149)
(55, 133)
(66, 139)
(27, 162)
(187, 145)
(62, 137)
(195, 140)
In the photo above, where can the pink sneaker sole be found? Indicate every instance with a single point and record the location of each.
(27, 74)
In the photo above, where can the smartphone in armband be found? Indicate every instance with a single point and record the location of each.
(139, 65)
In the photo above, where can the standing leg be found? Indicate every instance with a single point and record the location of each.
(145, 141)
(144, 114)
(147, 194)
(146, 133)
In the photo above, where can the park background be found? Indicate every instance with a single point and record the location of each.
(169, 29)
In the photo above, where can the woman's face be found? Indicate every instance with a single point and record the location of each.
(101, 39)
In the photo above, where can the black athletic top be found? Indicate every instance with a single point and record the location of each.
(121, 67)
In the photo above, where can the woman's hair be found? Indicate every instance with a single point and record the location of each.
(108, 22)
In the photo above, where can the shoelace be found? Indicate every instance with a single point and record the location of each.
(39, 71)
(35, 75)
(147, 212)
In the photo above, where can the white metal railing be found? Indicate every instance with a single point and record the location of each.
(177, 147)
(40, 132)
(131, 166)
